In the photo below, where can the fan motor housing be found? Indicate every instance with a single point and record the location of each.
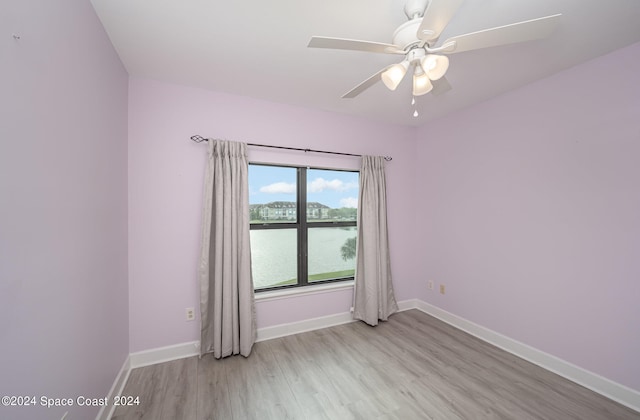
(406, 34)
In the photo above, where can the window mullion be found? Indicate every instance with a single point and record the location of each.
(302, 228)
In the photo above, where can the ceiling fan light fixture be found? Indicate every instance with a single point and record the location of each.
(418, 40)
(421, 84)
(435, 66)
(394, 74)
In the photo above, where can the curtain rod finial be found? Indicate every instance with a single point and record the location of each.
(198, 138)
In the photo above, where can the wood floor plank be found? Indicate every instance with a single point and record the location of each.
(411, 367)
(148, 385)
(311, 387)
(258, 388)
(179, 401)
(212, 391)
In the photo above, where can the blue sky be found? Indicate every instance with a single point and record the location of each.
(333, 188)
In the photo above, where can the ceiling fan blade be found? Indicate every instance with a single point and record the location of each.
(509, 34)
(436, 18)
(365, 85)
(353, 44)
(440, 86)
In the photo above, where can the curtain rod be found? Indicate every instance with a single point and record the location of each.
(200, 139)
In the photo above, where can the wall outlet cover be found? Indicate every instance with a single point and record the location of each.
(191, 315)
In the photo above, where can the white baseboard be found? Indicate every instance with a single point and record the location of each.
(405, 305)
(298, 327)
(164, 354)
(617, 392)
(613, 390)
(106, 412)
(189, 349)
(192, 348)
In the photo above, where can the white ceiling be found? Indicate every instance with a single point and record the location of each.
(259, 48)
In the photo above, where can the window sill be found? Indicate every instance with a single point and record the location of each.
(302, 291)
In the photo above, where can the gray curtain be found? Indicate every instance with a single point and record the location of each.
(373, 294)
(227, 311)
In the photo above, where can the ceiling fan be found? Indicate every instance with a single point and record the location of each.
(417, 40)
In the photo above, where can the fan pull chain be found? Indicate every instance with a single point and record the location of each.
(415, 110)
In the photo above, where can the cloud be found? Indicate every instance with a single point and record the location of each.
(320, 184)
(279, 188)
(351, 202)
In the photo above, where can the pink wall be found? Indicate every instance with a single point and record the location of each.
(165, 192)
(63, 226)
(531, 214)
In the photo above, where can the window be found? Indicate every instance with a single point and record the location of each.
(303, 225)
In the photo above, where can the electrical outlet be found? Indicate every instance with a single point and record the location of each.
(430, 285)
(191, 315)
(442, 289)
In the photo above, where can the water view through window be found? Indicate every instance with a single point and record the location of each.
(290, 247)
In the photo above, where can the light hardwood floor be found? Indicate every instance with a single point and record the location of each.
(411, 367)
